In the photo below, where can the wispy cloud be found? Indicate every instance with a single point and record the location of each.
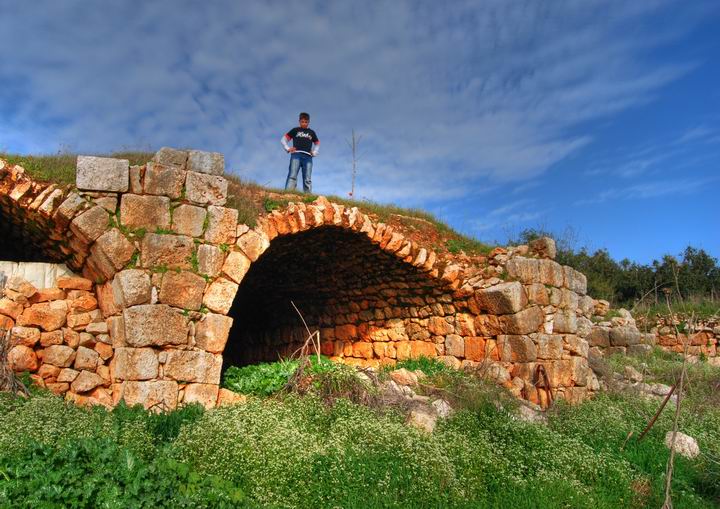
(647, 190)
(445, 98)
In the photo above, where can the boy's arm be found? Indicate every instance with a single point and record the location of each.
(316, 145)
(284, 141)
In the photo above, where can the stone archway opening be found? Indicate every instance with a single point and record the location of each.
(342, 283)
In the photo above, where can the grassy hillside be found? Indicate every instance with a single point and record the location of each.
(312, 451)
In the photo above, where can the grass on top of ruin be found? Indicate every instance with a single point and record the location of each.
(253, 200)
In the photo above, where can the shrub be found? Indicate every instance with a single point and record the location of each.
(100, 473)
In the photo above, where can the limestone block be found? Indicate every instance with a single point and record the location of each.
(624, 336)
(574, 280)
(362, 350)
(104, 268)
(550, 273)
(74, 283)
(86, 359)
(454, 345)
(565, 322)
(212, 332)
(346, 332)
(102, 174)
(135, 364)
(164, 250)
(488, 325)
(59, 355)
(222, 224)
(154, 324)
(523, 269)
(639, 350)
(67, 375)
(204, 394)
(544, 247)
(19, 285)
(86, 381)
(212, 163)
(475, 348)
(149, 212)
(576, 345)
(189, 220)
(193, 366)
(227, 397)
(549, 346)
(131, 287)
(220, 295)
(26, 336)
(586, 304)
(104, 350)
(51, 338)
(116, 248)
(210, 260)
(599, 336)
(158, 395)
(68, 208)
(136, 180)
(584, 326)
(10, 308)
(253, 244)
(524, 322)
(516, 348)
(116, 327)
(22, 358)
(685, 445)
(44, 316)
(109, 203)
(438, 326)
(205, 189)
(182, 289)
(164, 180)
(236, 266)
(502, 299)
(171, 157)
(568, 372)
(537, 294)
(83, 304)
(89, 225)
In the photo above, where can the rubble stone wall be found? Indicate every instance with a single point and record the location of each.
(172, 284)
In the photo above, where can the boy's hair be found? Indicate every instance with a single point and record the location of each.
(304, 116)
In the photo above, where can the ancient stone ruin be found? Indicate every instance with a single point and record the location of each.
(169, 288)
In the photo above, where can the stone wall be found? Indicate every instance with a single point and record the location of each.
(176, 279)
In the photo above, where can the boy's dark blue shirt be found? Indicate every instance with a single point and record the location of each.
(302, 139)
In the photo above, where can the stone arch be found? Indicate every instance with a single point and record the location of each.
(359, 282)
(164, 260)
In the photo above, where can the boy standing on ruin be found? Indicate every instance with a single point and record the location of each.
(305, 146)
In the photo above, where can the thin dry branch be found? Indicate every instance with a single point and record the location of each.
(8, 380)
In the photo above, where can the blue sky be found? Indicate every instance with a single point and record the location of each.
(597, 117)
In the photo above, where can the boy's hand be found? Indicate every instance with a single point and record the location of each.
(291, 150)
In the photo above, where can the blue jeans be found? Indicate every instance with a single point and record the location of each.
(297, 162)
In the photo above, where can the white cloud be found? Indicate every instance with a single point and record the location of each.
(445, 97)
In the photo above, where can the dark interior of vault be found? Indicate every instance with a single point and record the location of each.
(333, 276)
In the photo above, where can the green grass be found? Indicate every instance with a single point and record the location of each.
(60, 168)
(294, 451)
